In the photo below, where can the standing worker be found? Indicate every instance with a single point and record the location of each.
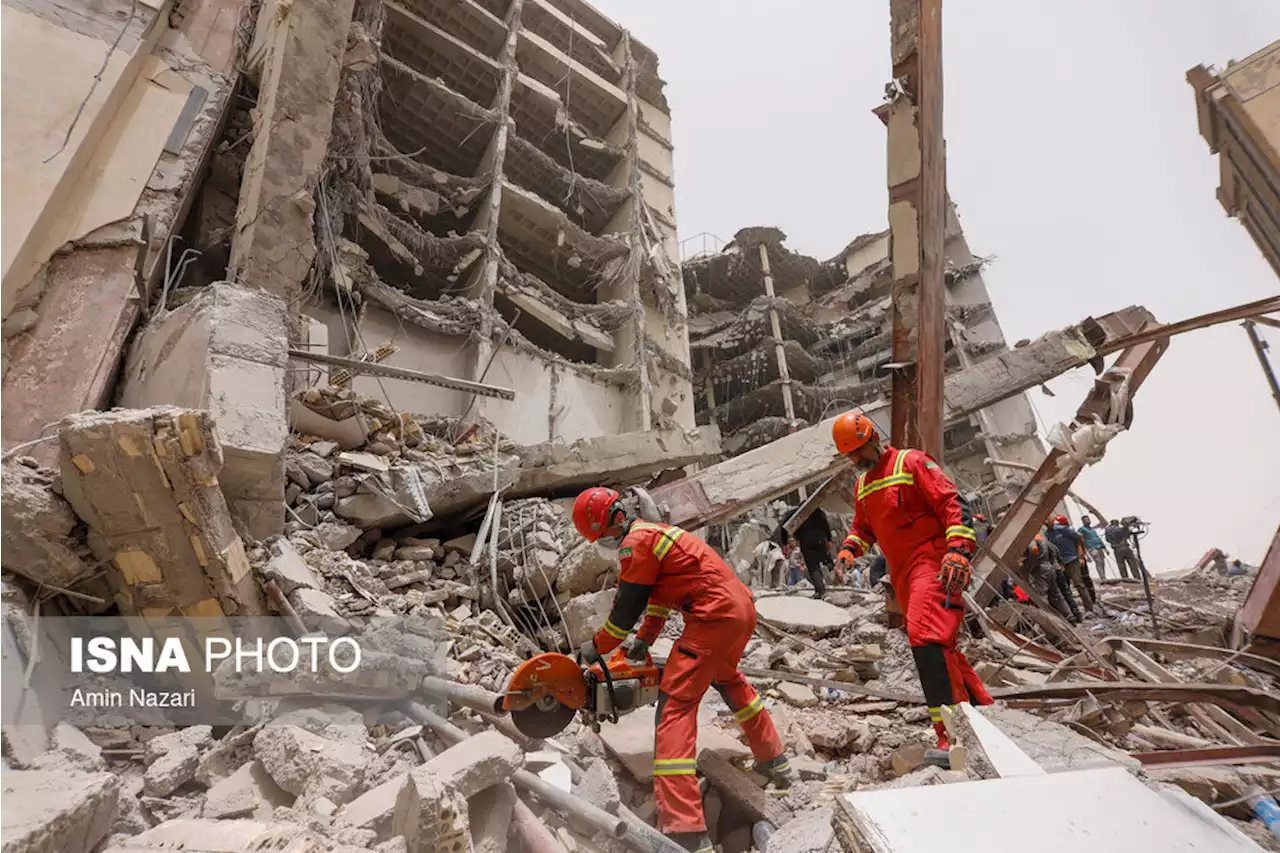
(814, 538)
(904, 502)
(1094, 545)
(664, 568)
(1118, 538)
(1039, 567)
(1070, 547)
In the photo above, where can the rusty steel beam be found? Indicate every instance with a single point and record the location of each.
(1191, 324)
(1049, 486)
(1262, 753)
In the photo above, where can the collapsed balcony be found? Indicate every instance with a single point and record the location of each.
(541, 119)
(428, 120)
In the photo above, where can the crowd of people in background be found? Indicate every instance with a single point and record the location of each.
(1056, 563)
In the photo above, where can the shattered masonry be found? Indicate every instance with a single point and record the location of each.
(834, 320)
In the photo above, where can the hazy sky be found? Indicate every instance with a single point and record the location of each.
(1073, 157)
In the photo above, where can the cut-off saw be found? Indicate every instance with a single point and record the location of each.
(546, 691)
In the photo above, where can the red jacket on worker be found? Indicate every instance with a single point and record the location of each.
(658, 577)
(911, 509)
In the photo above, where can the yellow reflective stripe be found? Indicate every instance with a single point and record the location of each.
(884, 483)
(862, 543)
(657, 610)
(646, 525)
(668, 539)
(675, 766)
(935, 713)
(754, 707)
(614, 631)
(900, 461)
(962, 531)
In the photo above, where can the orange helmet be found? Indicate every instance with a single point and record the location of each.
(591, 511)
(851, 431)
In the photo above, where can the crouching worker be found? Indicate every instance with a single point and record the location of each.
(665, 568)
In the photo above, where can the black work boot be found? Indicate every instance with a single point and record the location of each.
(694, 842)
(776, 770)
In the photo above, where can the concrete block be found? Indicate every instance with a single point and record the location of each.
(287, 568)
(146, 483)
(475, 764)
(297, 760)
(430, 816)
(192, 835)
(583, 568)
(319, 612)
(375, 809)
(47, 811)
(249, 792)
(226, 351)
(35, 528)
(803, 615)
(586, 614)
(807, 833)
(800, 695)
(491, 812)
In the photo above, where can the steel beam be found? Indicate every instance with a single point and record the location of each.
(1052, 480)
(1260, 349)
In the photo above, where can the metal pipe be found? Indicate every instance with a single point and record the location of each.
(643, 836)
(467, 695)
(597, 818)
(533, 832)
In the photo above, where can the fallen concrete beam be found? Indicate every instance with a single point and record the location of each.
(1052, 354)
(225, 351)
(1049, 485)
(146, 483)
(1225, 694)
(560, 469)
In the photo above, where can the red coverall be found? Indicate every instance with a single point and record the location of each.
(665, 568)
(907, 505)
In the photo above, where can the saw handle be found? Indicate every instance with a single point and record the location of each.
(608, 683)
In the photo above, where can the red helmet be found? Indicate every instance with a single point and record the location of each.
(852, 430)
(1060, 519)
(591, 511)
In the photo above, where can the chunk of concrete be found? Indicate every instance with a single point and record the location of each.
(491, 812)
(49, 811)
(225, 351)
(411, 493)
(475, 764)
(287, 568)
(811, 832)
(584, 568)
(173, 760)
(586, 614)
(318, 612)
(316, 468)
(194, 835)
(800, 695)
(35, 528)
(70, 748)
(803, 615)
(249, 792)
(375, 809)
(297, 759)
(146, 483)
(833, 731)
(632, 742)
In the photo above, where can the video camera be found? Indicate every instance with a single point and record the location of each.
(1135, 525)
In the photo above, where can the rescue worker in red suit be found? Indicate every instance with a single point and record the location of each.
(664, 568)
(906, 504)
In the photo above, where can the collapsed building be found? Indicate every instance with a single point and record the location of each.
(325, 216)
(780, 341)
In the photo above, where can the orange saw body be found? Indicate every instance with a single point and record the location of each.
(546, 691)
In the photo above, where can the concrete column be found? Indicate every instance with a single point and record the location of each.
(776, 327)
(302, 46)
(644, 386)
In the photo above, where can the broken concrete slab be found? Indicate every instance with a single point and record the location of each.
(375, 809)
(584, 568)
(803, 615)
(491, 812)
(287, 568)
(560, 469)
(811, 832)
(800, 695)
(1054, 747)
(1100, 809)
(49, 811)
(632, 742)
(36, 526)
(225, 351)
(413, 493)
(319, 612)
(170, 542)
(249, 792)
(297, 760)
(475, 764)
(194, 835)
(833, 731)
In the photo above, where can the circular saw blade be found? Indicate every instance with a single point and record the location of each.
(544, 718)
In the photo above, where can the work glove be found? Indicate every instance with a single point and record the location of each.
(638, 650)
(954, 573)
(844, 559)
(588, 654)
